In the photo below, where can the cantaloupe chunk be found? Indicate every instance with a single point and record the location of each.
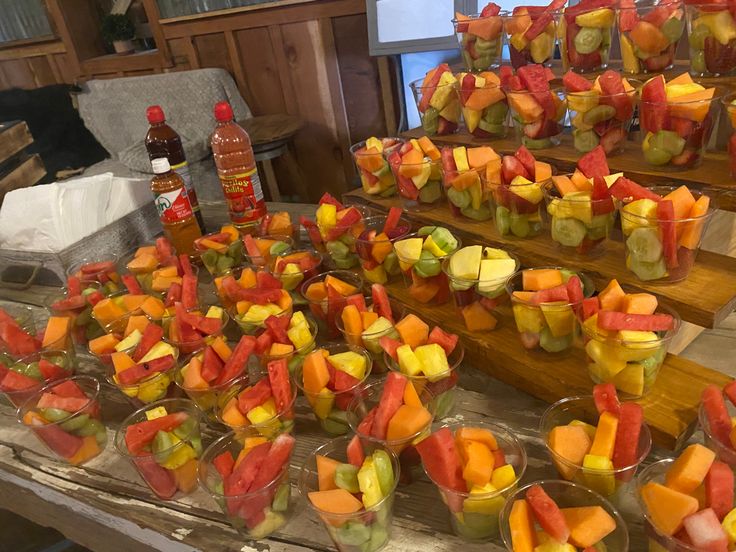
(104, 344)
(221, 348)
(429, 149)
(542, 278)
(588, 525)
(690, 468)
(232, 416)
(479, 434)
(482, 155)
(692, 230)
(612, 297)
(316, 292)
(193, 375)
(693, 106)
(667, 507)
(368, 318)
(121, 361)
(335, 501)
(280, 349)
(89, 449)
(521, 524)
(107, 311)
(564, 185)
(605, 436)
(524, 104)
(571, 443)
(411, 397)
(342, 287)
(143, 263)
(581, 181)
(413, 330)
(477, 318)
(186, 476)
(353, 324)
(480, 98)
(247, 278)
(682, 201)
(314, 372)
(639, 303)
(326, 468)
(478, 463)
(57, 331)
(407, 422)
(542, 171)
(136, 322)
(154, 307)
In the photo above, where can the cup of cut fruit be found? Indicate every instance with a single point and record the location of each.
(371, 159)
(716, 409)
(247, 474)
(559, 515)
(146, 259)
(374, 245)
(480, 37)
(462, 169)
(124, 333)
(192, 330)
(711, 33)
(477, 277)
(65, 416)
(648, 33)
(76, 303)
(295, 267)
(330, 378)
(626, 336)
(688, 502)
(19, 379)
(438, 106)
(351, 484)
(102, 271)
(261, 251)
(476, 466)
(327, 295)
(220, 251)
(483, 104)
(585, 32)
(286, 338)
(278, 224)
(418, 173)
(531, 33)
(596, 441)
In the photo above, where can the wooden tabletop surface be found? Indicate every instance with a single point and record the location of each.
(105, 506)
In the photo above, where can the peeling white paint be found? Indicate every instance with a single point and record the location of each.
(181, 533)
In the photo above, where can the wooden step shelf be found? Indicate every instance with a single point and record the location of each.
(705, 298)
(714, 172)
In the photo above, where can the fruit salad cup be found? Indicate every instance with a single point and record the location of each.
(301, 336)
(711, 33)
(335, 230)
(278, 224)
(262, 251)
(517, 207)
(329, 383)
(483, 104)
(102, 271)
(375, 246)
(78, 307)
(716, 408)
(585, 32)
(245, 459)
(531, 34)
(649, 32)
(65, 416)
(663, 232)
(17, 332)
(335, 475)
(372, 327)
(220, 251)
(371, 160)
(477, 277)
(475, 466)
(418, 173)
(163, 442)
(462, 171)
(22, 378)
(294, 268)
(531, 517)
(148, 258)
(676, 120)
(190, 331)
(438, 106)
(327, 295)
(729, 106)
(537, 127)
(420, 258)
(481, 38)
(570, 429)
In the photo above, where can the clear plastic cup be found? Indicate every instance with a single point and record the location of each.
(569, 495)
(441, 387)
(367, 530)
(337, 243)
(440, 114)
(647, 239)
(266, 226)
(29, 367)
(585, 37)
(252, 323)
(291, 278)
(282, 244)
(475, 516)
(541, 48)
(485, 109)
(295, 358)
(578, 224)
(614, 483)
(729, 107)
(467, 197)
(75, 434)
(632, 366)
(709, 30)
(480, 40)
(171, 471)
(372, 166)
(517, 209)
(535, 128)
(724, 451)
(377, 258)
(219, 260)
(84, 326)
(64, 342)
(332, 410)
(256, 514)
(190, 346)
(648, 33)
(150, 389)
(101, 270)
(23, 316)
(319, 305)
(419, 184)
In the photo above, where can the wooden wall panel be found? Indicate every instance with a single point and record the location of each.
(264, 93)
(18, 74)
(43, 75)
(212, 51)
(65, 68)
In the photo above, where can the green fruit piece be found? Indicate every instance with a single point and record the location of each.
(553, 344)
(379, 537)
(599, 114)
(697, 62)
(496, 113)
(444, 239)
(161, 446)
(428, 265)
(384, 471)
(477, 526)
(83, 318)
(54, 414)
(588, 40)
(519, 225)
(346, 477)
(669, 141)
(605, 42)
(648, 271)
(31, 370)
(101, 437)
(75, 424)
(672, 29)
(484, 61)
(459, 198)
(656, 156)
(430, 120)
(540, 143)
(92, 427)
(443, 404)
(353, 533)
(189, 431)
(569, 232)
(278, 248)
(281, 498)
(388, 192)
(641, 54)
(503, 220)
(431, 192)
(495, 129)
(337, 250)
(271, 523)
(467, 59)
(584, 141)
(697, 37)
(347, 262)
(426, 230)
(224, 263)
(644, 245)
(348, 239)
(391, 264)
(484, 45)
(484, 213)
(600, 226)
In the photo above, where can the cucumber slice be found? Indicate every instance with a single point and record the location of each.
(503, 220)
(278, 248)
(430, 193)
(346, 477)
(496, 113)
(426, 230)
(333, 427)
(353, 533)
(600, 226)
(553, 344)
(388, 192)
(540, 143)
(569, 232)
(519, 225)
(584, 141)
(459, 198)
(483, 44)
(588, 40)
(430, 120)
(644, 245)
(484, 213)
(379, 536)
(337, 250)
(384, 471)
(647, 271)
(669, 141)
(348, 239)
(497, 129)
(484, 61)
(656, 156)
(466, 57)
(281, 498)
(672, 29)
(428, 265)
(391, 264)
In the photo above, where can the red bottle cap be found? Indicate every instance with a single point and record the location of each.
(223, 112)
(155, 114)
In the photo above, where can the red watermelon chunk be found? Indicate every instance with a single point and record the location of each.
(278, 376)
(630, 420)
(705, 531)
(527, 159)
(574, 82)
(277, 327)
(330, 199)
(238, 360)
(164, 249)
(653, 105)
(68, 404)
(551, 295)
(211, 364)
(594, 163)
(71, 303)
(392, 220)
(266, 280)
(242, 477)
(138, 372)
(62, 443)
(18, 341)
(189, 291)
(717, 414)
(614, 94)
(381, 303)
(51, 371)
(173, 295)
(389, 344)
(628, 190)
(668, 227)
(442, 460)
(335, 305)
(601, 202)
(355, 453)
(151, 335)
(591, 305)
(358, 301)
(160, 479)
(606, 398)
(224, 463)
(730, 391)
(254, 396)
(616, 321)
(15, 381)
(68, 389)
(392, 398)
(548, 514)
(141, 434)
(263, 343)
(277, 457)
(73, 286)
(365, 427)
(445, 340)
(719, 492)
(131, 284)
(186, 265)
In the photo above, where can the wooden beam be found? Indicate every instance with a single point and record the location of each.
(387, 94)
(154, 21)
(33, 50)
(236, 62)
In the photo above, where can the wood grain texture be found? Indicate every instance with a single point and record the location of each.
(13, 138)
(705, 298)
(27, 173)
(262, 79)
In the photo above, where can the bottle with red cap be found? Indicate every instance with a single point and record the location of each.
(236, 168)
(162, 141)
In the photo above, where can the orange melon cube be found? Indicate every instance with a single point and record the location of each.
(571, 443)
(689, 470)
(143, 263)
(478, 434)
(186, 476)
(343, 288)
(107, 311)
(335, 501)
(314, 372)
(588, 525)
(57, 331)
(667, 507)
(412, 330)
(121, 361)
(136, 322)
(542, 278)
(280, 349)
(478, 463)
(104, 344)
(612, 296)
(411, 397)
(605, 436)
(232, 416)
(408, 421)
(521, 525)
(477, 318)
(221, 348)
(326, 468)
(154, 307)
(89, 449)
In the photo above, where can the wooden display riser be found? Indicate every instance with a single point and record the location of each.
(714, 172)
(705, 298)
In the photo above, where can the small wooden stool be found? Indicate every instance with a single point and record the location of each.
(271, 136)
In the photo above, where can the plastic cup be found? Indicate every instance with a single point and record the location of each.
(569, 495)
(423, 284)
(649, 33)
(170, 472)
(64, 343)
(377, 258)
(370, 341)
(480, 40)
(585, 38)
(319, 306)
(613, 483)
(485, 109)
(295, 358)
(219, 262)
(75, 436)
(150, 389)
(535, 129)
(711, 54)
(250, 324)
(338, 245)
(632, 366)
(28, 366)
(578, 224)
(367, 530)
(476, 299)
(190, 346)
(682, 147)
(440, 115)
(105, 274)
(256, 514)
(332, 410)
(23, 316)
(601, 119)
(724, 451)
(539, 50)
(419, 184)
(442, 387)
(281, 245)
(730, 109)
(517, 211)
(467, 197)
(292, 278)
(645, 240)
(84, 326)
(475, 516)
(373, 167)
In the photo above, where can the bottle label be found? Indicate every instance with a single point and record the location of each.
(182, 169)
(244, 197)
(173, 206)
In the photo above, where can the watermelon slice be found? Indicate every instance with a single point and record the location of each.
(705, 531)
(628, 190)
(717, 414)
(189, 291)
(15, 381)
(164, 249)
(653, 105)
(330, 199)
(51, 371)
(277, 457)
(365, 426)
(68, 389)
(254, 396)
(358, 301)
(616, 321)
(606, 398)
(68, 404)
(263, 343)
(442, 461)
(131, 284)
(630, 420)
(730, 392)
(526, 158)
(18, 341)
(392, 397)
(224, 463)
(142, 433)
(238, 360)
(278, 376)
(277, 327)
(138, 372)
(335, 305)
(381, 303)
(719, 492)
(243, 475)
(574, 82)
(668, 228)
(62, 443)
(591, 305)
(601, 202)
(212, 364)
(594, 163)
(266, 280)
(151, 335)
(392, 220)
(173, 295)
(548, 514)
(70, 303)
(445, 340)
(356, 456)
(160, 480)
(186, 265)
(614, 94)
(389, 344)
(73, 286)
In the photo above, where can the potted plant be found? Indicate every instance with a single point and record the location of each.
(119, 30)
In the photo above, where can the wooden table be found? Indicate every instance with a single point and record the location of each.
(105, 506)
